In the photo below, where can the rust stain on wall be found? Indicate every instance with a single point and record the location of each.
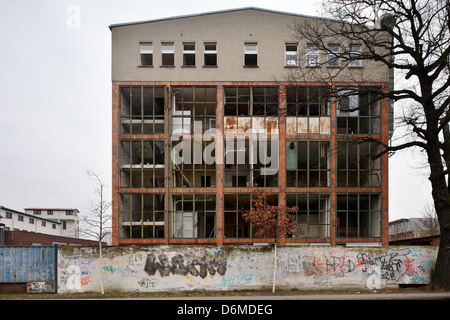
(243, 124)
(291, 125)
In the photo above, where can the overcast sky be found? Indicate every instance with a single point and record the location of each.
(55, 99)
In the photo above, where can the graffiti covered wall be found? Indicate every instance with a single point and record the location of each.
(185, 268)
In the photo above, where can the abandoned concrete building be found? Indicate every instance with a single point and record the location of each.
(202, 109)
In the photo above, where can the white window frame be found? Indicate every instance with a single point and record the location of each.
(188, 52)
(357, 63)
(253, 52)
(311, 52)
(333, 57)
(291, 53)
(170, 50)
(209, 52)
(146, 48)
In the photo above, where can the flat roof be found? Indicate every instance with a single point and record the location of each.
(54, 209)
(208, 13)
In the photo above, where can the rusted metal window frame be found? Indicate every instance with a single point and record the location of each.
(373, 116)
(327, 212)
(142, 170)
(142, 118)
(359, 212)
(250, 151)
(195, 221)
(347, 145)
(140, 228)
(295, 102)
(308, 169)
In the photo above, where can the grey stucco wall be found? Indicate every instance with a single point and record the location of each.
(230, 30)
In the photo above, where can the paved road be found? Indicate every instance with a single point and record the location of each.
(389, 296)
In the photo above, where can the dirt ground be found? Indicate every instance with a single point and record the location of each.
(108, 295)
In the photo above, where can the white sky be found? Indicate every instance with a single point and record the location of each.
(55, 100)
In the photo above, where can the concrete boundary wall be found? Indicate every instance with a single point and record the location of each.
(186, 268)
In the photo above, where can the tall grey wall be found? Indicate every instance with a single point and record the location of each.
(186, 268)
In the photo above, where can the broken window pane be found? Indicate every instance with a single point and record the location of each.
(141, 216)
(194, 216)
(251, 109)
(356, 165)
(308, 110)
(313, 215)
(191, 168)
(142, 109)
(251, 162)
(141, 164)
(194, 110)
(358, 110)
(358, 215)
(308, 163)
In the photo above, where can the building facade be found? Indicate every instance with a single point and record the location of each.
(21, 221)
(203, 108)
(68, 217)
(412, 228)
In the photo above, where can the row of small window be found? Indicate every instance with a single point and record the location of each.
(30, 220)
(50, 212)
(168, 54)
(141, 216)
(249, 162)
(250, 55)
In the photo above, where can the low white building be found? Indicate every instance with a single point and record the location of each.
(52, 221)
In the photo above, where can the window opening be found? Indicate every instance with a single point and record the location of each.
(194, 216)
(358, 110)
(355, 53)
(333, 56)
(210, 54)
(358, 215)
(312, 56)
(146, 49)
(251, 162)
(251, 109)
(142, 110)
(188, 54)
(291, 55)
(313, 215)
(308, 163)
(308, 110)
(250, 54)
(356, 166)
(141, 216)
(168, 54)
(141, 164)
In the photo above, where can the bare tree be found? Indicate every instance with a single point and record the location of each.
(411, 38)
(428, 224)
(96, 224)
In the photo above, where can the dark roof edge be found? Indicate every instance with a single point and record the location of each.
(209, 13)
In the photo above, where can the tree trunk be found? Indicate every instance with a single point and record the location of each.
(441, 277)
